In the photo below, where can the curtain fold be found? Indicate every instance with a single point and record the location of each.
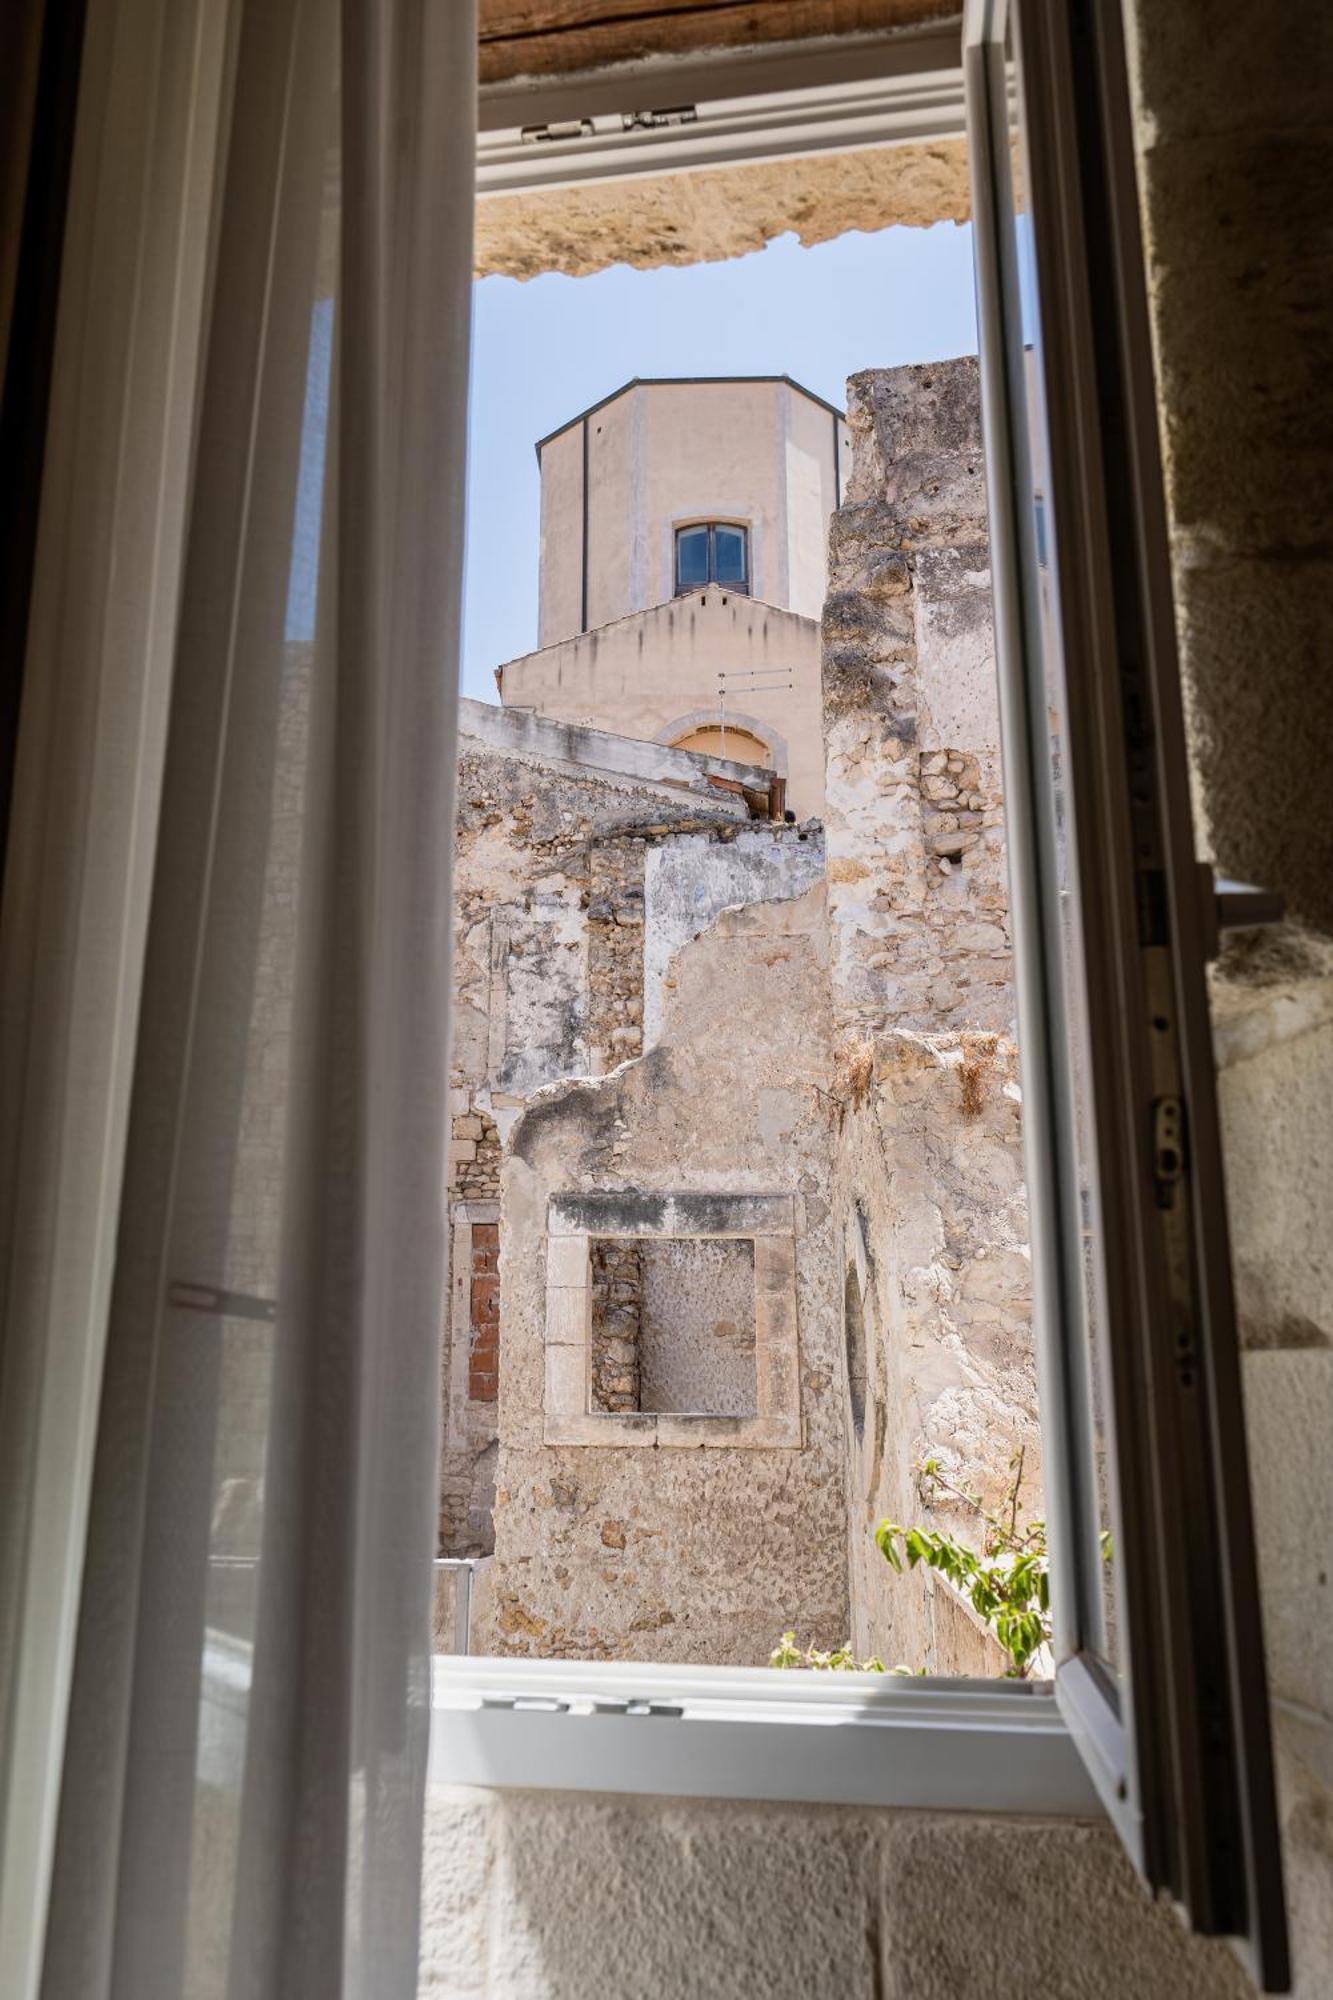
(246, 1756)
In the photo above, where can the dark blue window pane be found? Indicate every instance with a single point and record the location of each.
(730, 555)
(691, 558)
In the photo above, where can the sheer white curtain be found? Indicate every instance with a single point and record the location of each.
(246, 1747)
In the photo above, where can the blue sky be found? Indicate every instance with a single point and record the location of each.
(545, 348)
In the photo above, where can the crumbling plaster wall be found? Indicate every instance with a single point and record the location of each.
(668, 1551)
(929, 1168)
(548, 980)
(688, 882)
(930, 1175)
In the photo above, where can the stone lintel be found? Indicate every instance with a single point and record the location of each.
(637, 1212)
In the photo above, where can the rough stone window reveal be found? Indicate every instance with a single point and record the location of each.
(953, 804)
(854, 1337)
(671, 1320)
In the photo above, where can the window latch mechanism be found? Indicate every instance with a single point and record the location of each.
(1168, 1148)
(654, 121)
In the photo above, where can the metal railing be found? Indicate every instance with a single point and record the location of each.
(463, 1567)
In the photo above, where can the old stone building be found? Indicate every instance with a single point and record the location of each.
(683, 570)
(930, 1210)
(706, 1054)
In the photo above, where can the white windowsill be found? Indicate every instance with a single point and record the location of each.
(752, 1733)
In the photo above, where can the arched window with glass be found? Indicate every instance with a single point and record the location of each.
(712, 552)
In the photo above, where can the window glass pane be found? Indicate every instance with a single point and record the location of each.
(729, 555)
(1083, 1304)
(691, 558)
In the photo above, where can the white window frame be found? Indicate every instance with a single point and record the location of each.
(994, 1746)
(742, 1733)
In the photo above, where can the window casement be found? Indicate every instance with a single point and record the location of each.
(1158, 1711)
(712, 552)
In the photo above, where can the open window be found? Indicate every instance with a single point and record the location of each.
(1158, 1671)
(1158, 1713)
(1158, 1653)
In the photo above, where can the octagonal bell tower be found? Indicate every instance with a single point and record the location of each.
(669, 485)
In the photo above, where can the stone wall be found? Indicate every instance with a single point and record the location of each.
(931, 1216)
(560, 1896)
(615, 953)
(1235, 138)
(918, 898)
(617, 1315)
(644, 1535)
(552, 829)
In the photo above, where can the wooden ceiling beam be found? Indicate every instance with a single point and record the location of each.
(555, 37)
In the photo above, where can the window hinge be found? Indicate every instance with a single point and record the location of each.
(566, 128)
(1234, 906)
(551, 1704)
(540, 1704)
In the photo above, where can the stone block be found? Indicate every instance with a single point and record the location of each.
(1244, 220)
(1289, 1422)
(566, 1391)
(568, 1315)
(1233, 615)
(617, 1431)
(1216, 67)
(567, 1260)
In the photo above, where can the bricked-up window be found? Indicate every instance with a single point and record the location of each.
(671, 1320)
(483, 1361)
(673, 1326)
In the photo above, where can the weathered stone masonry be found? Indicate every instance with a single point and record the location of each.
(668, 1009)
(554, 828)
(929, 1180)
(617, 1313)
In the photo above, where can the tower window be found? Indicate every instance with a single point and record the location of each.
(712, 552)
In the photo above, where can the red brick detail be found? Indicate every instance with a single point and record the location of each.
(483, 1364)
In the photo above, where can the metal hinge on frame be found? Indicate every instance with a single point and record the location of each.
(567, 128)
(654, 121)
(1234, 906)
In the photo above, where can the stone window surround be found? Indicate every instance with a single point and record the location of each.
(770, 1221)
(464, 1215)
(731, 718)
(728, 513)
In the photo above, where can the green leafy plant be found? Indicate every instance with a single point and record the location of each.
(841, 1660)
(1007, 1581)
